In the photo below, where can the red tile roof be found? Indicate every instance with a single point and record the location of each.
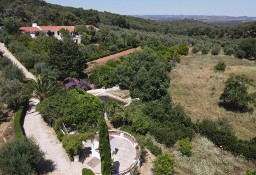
(47, 28)
(29, 29)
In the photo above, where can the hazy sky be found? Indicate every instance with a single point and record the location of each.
(167, 7)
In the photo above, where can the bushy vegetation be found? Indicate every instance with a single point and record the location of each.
(185, 147)
(163, 165)
(146, 142)
(221, 66)
(144, 73)
(250, 172)
(223, 137)
(13, 89)
(229, 50)
(165, 121)
(86, 171)
(67, 58)
(21, 156)
(236, 95)
(195, 49)
(105, 75)
(73, 143)
(215, 50)
(75, 108)
(247, 48)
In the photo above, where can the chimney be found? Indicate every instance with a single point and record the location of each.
(34, 24)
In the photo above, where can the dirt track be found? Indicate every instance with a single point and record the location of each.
(103, 60)
(115, 56)
(15, 61)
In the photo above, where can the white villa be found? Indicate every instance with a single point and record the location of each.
(55, 30)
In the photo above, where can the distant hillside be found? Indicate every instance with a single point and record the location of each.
(214, 20)
(25, 12)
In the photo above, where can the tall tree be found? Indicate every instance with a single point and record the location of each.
(104, 148)
(67, 58)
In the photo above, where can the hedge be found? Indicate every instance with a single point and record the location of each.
(86, 171)
(18, 122)
(227, 140)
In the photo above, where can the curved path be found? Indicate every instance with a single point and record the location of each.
(36, 128)
(10, 56)
(45, 137)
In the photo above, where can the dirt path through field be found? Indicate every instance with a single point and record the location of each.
(103, 60)
(15, 61)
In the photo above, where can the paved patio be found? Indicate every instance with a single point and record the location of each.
(123, 160)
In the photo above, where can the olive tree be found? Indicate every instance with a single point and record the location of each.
(20, 157)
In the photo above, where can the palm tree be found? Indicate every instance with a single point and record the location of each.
(43, 86)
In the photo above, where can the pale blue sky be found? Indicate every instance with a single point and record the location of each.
(167, 7)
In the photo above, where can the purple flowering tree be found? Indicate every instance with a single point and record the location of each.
(70, 83)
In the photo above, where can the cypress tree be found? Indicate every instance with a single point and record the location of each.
(104, 148)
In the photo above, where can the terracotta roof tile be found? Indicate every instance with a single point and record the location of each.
(29, 29)
(57, 28)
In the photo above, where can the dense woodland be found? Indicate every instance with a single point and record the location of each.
(62, 82)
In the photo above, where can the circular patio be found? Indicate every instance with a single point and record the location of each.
(125, 153)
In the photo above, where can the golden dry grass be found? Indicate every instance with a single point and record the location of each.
(197, 87)
(208, 159)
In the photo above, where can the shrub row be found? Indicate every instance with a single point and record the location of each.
(18, 122)
(227, 140)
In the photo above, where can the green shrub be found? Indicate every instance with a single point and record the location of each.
(227, 140)
(235, 95)
(163, 165)
(18, 122)
(221, 66)
(250, 172)
(215, 50)
(73, 143)
(86, 171)
(20, 157)
(185, 147)
(183, 49)
(140, 125)
(205, 50)
(149, 144)
(143, 156)
(195, 49)
(229, 50)
(248, 47)
(240, 53)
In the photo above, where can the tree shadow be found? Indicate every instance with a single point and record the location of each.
(116, 166)
(85, 153)
(234, 108)
(46, 166)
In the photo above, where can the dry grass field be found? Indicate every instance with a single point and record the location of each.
(197, 87)
(208, 159)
